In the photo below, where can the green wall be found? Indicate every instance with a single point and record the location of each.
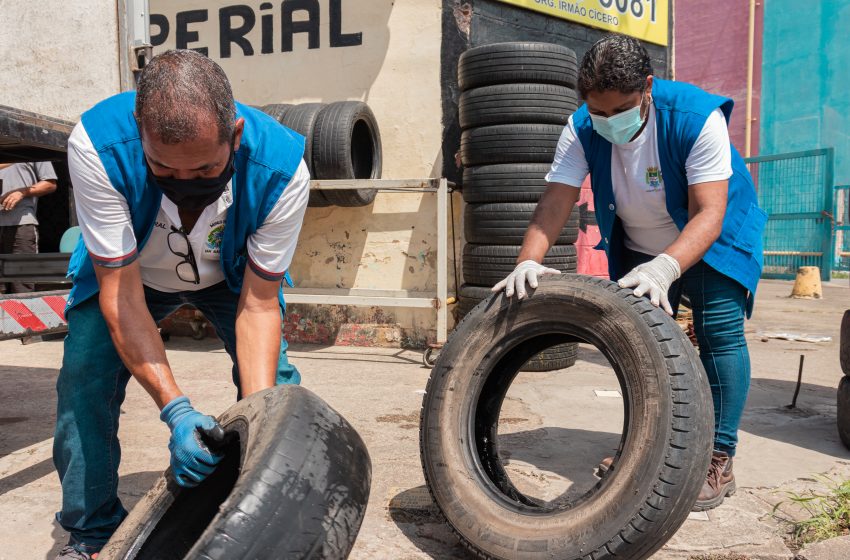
(806, 79)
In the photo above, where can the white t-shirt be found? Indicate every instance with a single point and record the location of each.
(639, 196)
(108, 232)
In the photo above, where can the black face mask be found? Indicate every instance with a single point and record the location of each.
(195, 194)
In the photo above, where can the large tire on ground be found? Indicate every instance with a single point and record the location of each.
(294, 484)
(302, 119)
(487, 265)
(507, 63)
(844, 411)
(347, 145)
(667, 433)
(558, 357)
(517, 104)
(520, 182)
(505, 223)
(844, 343)
(509, 143)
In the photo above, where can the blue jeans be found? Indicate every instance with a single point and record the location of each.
(91, 387)
(719, 305)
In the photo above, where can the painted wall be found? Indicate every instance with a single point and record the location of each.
(710, 50)
(805, 104)
(384, 52)
(56, 58)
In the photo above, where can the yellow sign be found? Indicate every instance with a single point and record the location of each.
(644, 19)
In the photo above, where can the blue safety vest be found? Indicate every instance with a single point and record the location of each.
(680, 113)
(268, 156)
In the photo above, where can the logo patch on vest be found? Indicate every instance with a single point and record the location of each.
(653, 179)
(212, 246)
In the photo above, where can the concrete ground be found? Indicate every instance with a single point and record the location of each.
(380, 392)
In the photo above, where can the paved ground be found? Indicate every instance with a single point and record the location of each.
(380, 392)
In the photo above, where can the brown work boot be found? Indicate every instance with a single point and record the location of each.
(605, 466)
(719, 482)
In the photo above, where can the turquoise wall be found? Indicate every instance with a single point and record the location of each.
(806, 79)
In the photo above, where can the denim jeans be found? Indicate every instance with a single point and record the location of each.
(91, 388)
(719, 305)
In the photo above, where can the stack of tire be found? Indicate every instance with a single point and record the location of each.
(515, 100)
(342, 142)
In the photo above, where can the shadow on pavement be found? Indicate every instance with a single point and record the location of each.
(810, 425)
(131, 488)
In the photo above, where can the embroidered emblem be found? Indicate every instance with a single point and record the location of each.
(653, 179)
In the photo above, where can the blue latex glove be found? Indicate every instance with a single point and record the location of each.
(191, 460)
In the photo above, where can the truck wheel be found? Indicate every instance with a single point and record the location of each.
(667, 432)
(347, 145)
(509, 143)
(505, 223)
(518, 62)
(294, 484)
(844, 411)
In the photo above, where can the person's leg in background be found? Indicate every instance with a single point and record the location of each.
(25, 241)
(91, 387)
(7, 242)
(219, 304)
(719, 305)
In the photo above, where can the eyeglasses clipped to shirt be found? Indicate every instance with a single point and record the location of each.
(187, 269)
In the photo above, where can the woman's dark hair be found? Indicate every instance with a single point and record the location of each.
(614, 62)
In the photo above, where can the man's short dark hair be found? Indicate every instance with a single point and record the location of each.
(614, 62)
(179, 91)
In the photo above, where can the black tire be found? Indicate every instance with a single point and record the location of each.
(522, 182)
(505, 223)
(506, 63)
(294, 484)
(517, 104)
(347, 146)
(509, 143)
(667, 435)
(558, 357)
(276, 110)
(844, 411)
(487, 265)
(302, 119)
(844, 343)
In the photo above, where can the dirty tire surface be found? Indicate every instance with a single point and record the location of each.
(487, 265)
(523, 182)
(347, 145)
(505, 223)
(302, 119)
(844, 344)
(514, 62)
(844, 411)
(517, 103)
(509, 143)
(558, 357)
(294, 484)
(667, 433)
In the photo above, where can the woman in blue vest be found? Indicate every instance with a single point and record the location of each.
(677, 212)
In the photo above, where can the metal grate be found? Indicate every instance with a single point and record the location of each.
(841, 242)
(795, 189)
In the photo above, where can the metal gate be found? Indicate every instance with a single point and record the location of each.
(795, 189)
(841, 251)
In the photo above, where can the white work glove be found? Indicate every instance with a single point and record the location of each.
(526, 271)
(654, 278)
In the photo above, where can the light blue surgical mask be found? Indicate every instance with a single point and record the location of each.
(620, 128)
